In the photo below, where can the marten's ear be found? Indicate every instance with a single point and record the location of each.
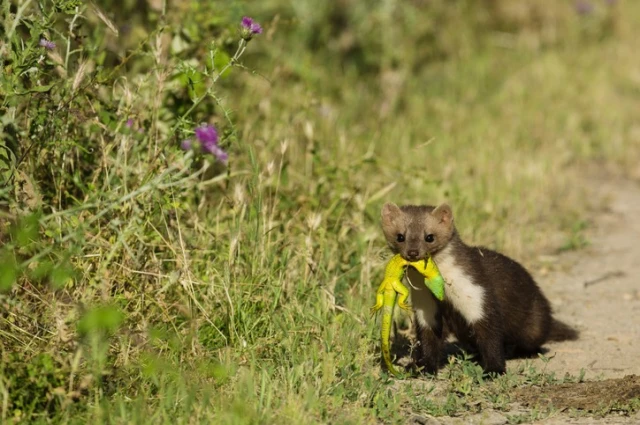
(390, 215)
(443, 214)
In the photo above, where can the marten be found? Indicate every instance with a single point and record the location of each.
(490, 301)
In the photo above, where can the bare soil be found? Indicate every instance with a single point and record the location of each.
(600, 292)
(593, 396)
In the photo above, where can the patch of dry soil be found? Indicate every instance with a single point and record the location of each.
(592, 396)
(600, 293)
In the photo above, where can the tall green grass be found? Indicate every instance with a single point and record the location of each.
(141, 283)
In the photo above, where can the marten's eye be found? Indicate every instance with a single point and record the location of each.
(400, 237)
(429, 238)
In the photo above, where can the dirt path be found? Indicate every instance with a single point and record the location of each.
(600, 293)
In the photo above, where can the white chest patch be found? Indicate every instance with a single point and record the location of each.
(460, 290)
(423, 303)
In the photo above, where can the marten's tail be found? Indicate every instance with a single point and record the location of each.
(560, 331)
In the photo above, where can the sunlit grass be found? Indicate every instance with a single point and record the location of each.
(175, 289)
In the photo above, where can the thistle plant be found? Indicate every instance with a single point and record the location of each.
(206, 142)
(207, 135)
(90, 162)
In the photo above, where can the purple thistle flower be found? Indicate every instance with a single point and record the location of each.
(207, 137)
(49, 45)
(584, 7)
(256, 28)
(207, 134)
(129, 123)
(217, 152)
(250, 28)
(247, 22)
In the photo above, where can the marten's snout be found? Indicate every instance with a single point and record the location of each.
(413, 254)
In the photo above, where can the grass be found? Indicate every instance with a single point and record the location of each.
(141, 283)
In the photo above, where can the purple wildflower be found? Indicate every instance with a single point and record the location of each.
(250, 28)
(207, 137)
(129, 123)
(249, 24)
(217, 152)
(246, 22)
(584, 7)
(49, 45)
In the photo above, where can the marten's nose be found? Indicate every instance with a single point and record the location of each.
(413, 254)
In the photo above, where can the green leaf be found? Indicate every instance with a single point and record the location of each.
(41, 89)
(195, 82)
(220, 60)
(6, 155)
(27, 229)
(60, 275)
(106, 117)
(7, 161)
(103, 319)
(41, 270)
(38, 89)
(8, 271)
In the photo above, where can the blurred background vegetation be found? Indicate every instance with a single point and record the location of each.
(140, 282)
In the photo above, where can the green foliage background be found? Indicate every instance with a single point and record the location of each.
(141, 283)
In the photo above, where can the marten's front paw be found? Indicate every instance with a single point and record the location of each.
(426, 366)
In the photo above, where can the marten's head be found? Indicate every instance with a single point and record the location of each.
(416, 232)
